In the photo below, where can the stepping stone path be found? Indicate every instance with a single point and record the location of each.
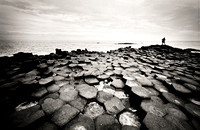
(152, 107)
(179, 124)
(93, 110)
(129, 119)
(39, 92)
(107, 122)
(174, 99)
(141, 92)
(103, 96)
(65, 114)
(87, 91)
(156, 122)
(118, 83)
(114, 105)
(69, 95)
(181, 88)
(51, 105)
(144, 81)
(82, 122)
(152, 87)
(45, 81)
(53, 88)
(91, 80)
(78, 103)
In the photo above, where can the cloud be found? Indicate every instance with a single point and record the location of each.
(174, 14)
(100, 19)
(17, 4)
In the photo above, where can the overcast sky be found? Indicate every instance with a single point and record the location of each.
(99, 20)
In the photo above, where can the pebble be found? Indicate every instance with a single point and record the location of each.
(120, 93)
(180, 124)
(114, 105)
(118, 83)
(53, 88)
(117, 72)
(45, 81)
(152, 92)
(109, 72)
(82, 122)
(103, 96)
(144, 81)
(133, 83)
(91, 81)
(141, 92)
(156, 122)
(157, 100)
(193, 109)
(69, 95)
(152, 107)
(192, 87)
(93, 110)
(78, 103)
(109, 89)
(160, 87)
(50, 95)
(128, 77)
(176, 113)
(42, 67)
(107, 122)
(58, 78)
(161, 77)
(66, 88)
(129, 119)
(195, 101)
(132, 69)
(65, 114)
(51, 105)
(190, 81)
(103, 76)
(39, 92)
(181, 88)
(173, 99)
(61, 83)
(87, 91)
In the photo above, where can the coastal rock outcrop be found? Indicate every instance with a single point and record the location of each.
(152, 87)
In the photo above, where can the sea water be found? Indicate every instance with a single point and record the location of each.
(39, 47)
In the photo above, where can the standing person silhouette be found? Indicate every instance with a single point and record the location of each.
(163, 41)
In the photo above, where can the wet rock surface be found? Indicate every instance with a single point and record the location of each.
(154, 87)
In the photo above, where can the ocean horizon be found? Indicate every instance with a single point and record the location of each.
(45, 47)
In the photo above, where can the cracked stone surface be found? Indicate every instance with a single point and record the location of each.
(152, 87)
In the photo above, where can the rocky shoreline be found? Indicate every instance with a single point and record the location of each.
(153, 87)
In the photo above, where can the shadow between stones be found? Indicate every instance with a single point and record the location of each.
(135, 102)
